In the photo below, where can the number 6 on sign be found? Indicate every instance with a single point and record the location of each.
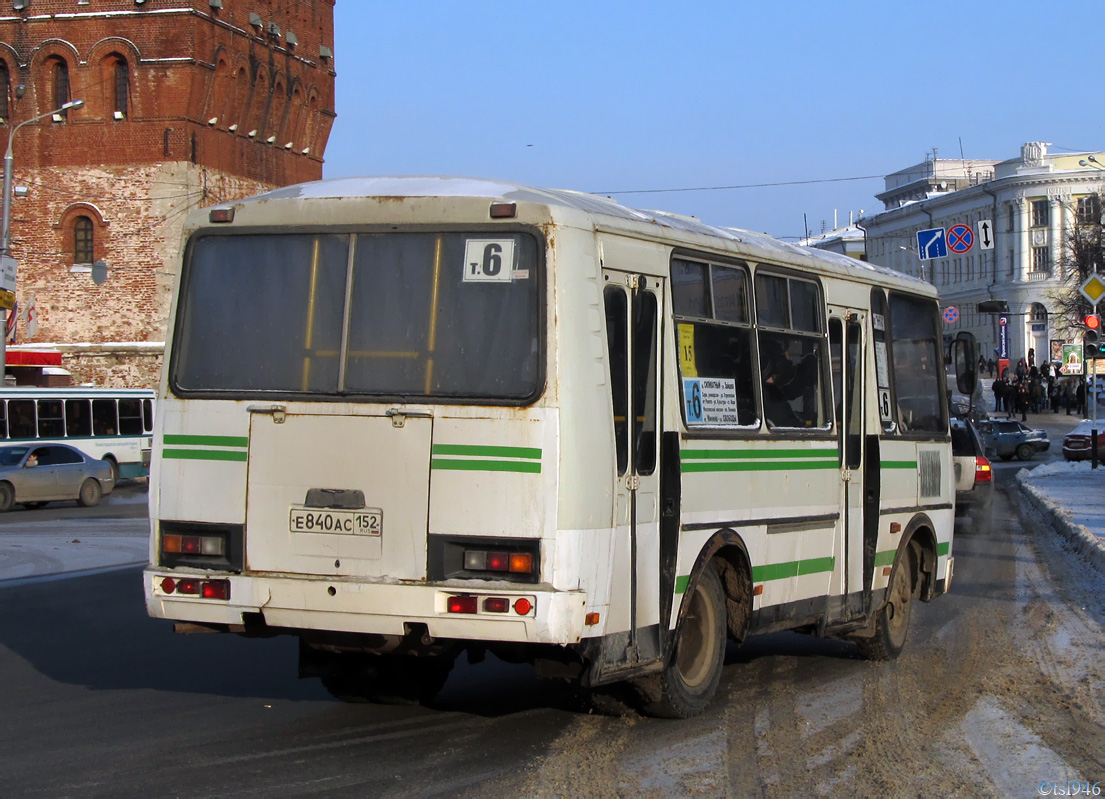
(488, 260)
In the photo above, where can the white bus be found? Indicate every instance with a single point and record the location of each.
(405, 418)
(115, 425)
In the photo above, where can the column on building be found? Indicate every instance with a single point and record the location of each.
(1056, 211)
(1022, 250)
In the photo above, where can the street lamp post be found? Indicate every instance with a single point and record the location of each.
(6, 218)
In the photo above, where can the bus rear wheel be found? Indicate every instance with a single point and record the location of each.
(689, 680)
(892, 620)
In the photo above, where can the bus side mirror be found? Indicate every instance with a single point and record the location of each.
(966, 368)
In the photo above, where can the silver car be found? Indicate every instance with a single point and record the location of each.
(33, 475)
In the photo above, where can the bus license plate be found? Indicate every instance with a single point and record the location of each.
(369, 521)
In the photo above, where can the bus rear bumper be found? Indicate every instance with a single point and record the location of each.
(532, 614)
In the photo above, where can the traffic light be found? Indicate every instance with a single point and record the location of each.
(1091, 338)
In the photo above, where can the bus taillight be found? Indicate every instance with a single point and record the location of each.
(193, 545)
(190, 586)
(463, 604)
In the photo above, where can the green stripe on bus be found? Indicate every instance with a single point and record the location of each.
(207, 441)
(204, 455)
(681, 583)
(899, 464)
(795, 568)
(760, 466)
(722, 454)
(532, 453)
(943, 549)
(885, 558)
(484, 466)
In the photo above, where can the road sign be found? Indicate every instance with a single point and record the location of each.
(7, 273)
(960, 239)
(931, 244)
(985, 230)
(1093, 288)
(951, 314)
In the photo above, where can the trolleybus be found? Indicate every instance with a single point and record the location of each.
(403, 419)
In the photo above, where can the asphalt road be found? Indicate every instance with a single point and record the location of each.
(1000, 689)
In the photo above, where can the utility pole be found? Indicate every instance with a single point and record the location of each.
(9, 269)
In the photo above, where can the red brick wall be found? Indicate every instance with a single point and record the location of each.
(200, 82)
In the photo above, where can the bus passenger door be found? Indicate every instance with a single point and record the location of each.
(632, 304)
(846, 346)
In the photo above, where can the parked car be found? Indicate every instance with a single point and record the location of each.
(1009, 438)
(974, 479)
(34, 475)
(1077, 444)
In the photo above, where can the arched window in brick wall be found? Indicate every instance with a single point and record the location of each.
(59, 74)
(297, 119)
(5, 91)
(240, 96)
(220, 95)
(276, 115)
(84, 241)
(258, 106)
(121, 85)
(311, 125)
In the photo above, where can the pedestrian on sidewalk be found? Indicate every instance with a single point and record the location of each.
(999, 394)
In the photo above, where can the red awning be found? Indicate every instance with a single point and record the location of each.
(30, 358)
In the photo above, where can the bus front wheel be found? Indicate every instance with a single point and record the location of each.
(689, 680)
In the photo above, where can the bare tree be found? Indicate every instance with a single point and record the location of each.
(1083, 255)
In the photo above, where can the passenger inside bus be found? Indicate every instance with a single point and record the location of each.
(785, 381)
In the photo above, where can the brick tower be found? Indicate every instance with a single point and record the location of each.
(187, 103)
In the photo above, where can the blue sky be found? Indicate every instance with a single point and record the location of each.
(611, 96)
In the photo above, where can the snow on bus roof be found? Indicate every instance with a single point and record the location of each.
(447, 186)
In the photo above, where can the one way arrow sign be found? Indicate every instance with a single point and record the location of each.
(985, 230)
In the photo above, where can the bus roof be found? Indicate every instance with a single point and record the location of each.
(608, 214)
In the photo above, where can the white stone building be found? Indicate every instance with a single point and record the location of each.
(1022, 208)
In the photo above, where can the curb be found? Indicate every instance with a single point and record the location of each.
(1075, 536)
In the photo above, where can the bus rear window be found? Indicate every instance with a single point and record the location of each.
(441, 315)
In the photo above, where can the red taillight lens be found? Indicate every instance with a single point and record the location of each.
(463, 604)
(523, 606)
(983, 472)
(496, 605)
(498, 562)
(215, 589)
(188, 587)
(168, 585)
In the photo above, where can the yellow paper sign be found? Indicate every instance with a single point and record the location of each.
(686, 351)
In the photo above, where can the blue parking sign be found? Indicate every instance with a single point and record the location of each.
(932, 243)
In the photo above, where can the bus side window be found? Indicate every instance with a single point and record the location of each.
(78, 418)
(130, 417)
(147, 416)
(51, 423)
(791, 348)
(21, 418)
(105, 421)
